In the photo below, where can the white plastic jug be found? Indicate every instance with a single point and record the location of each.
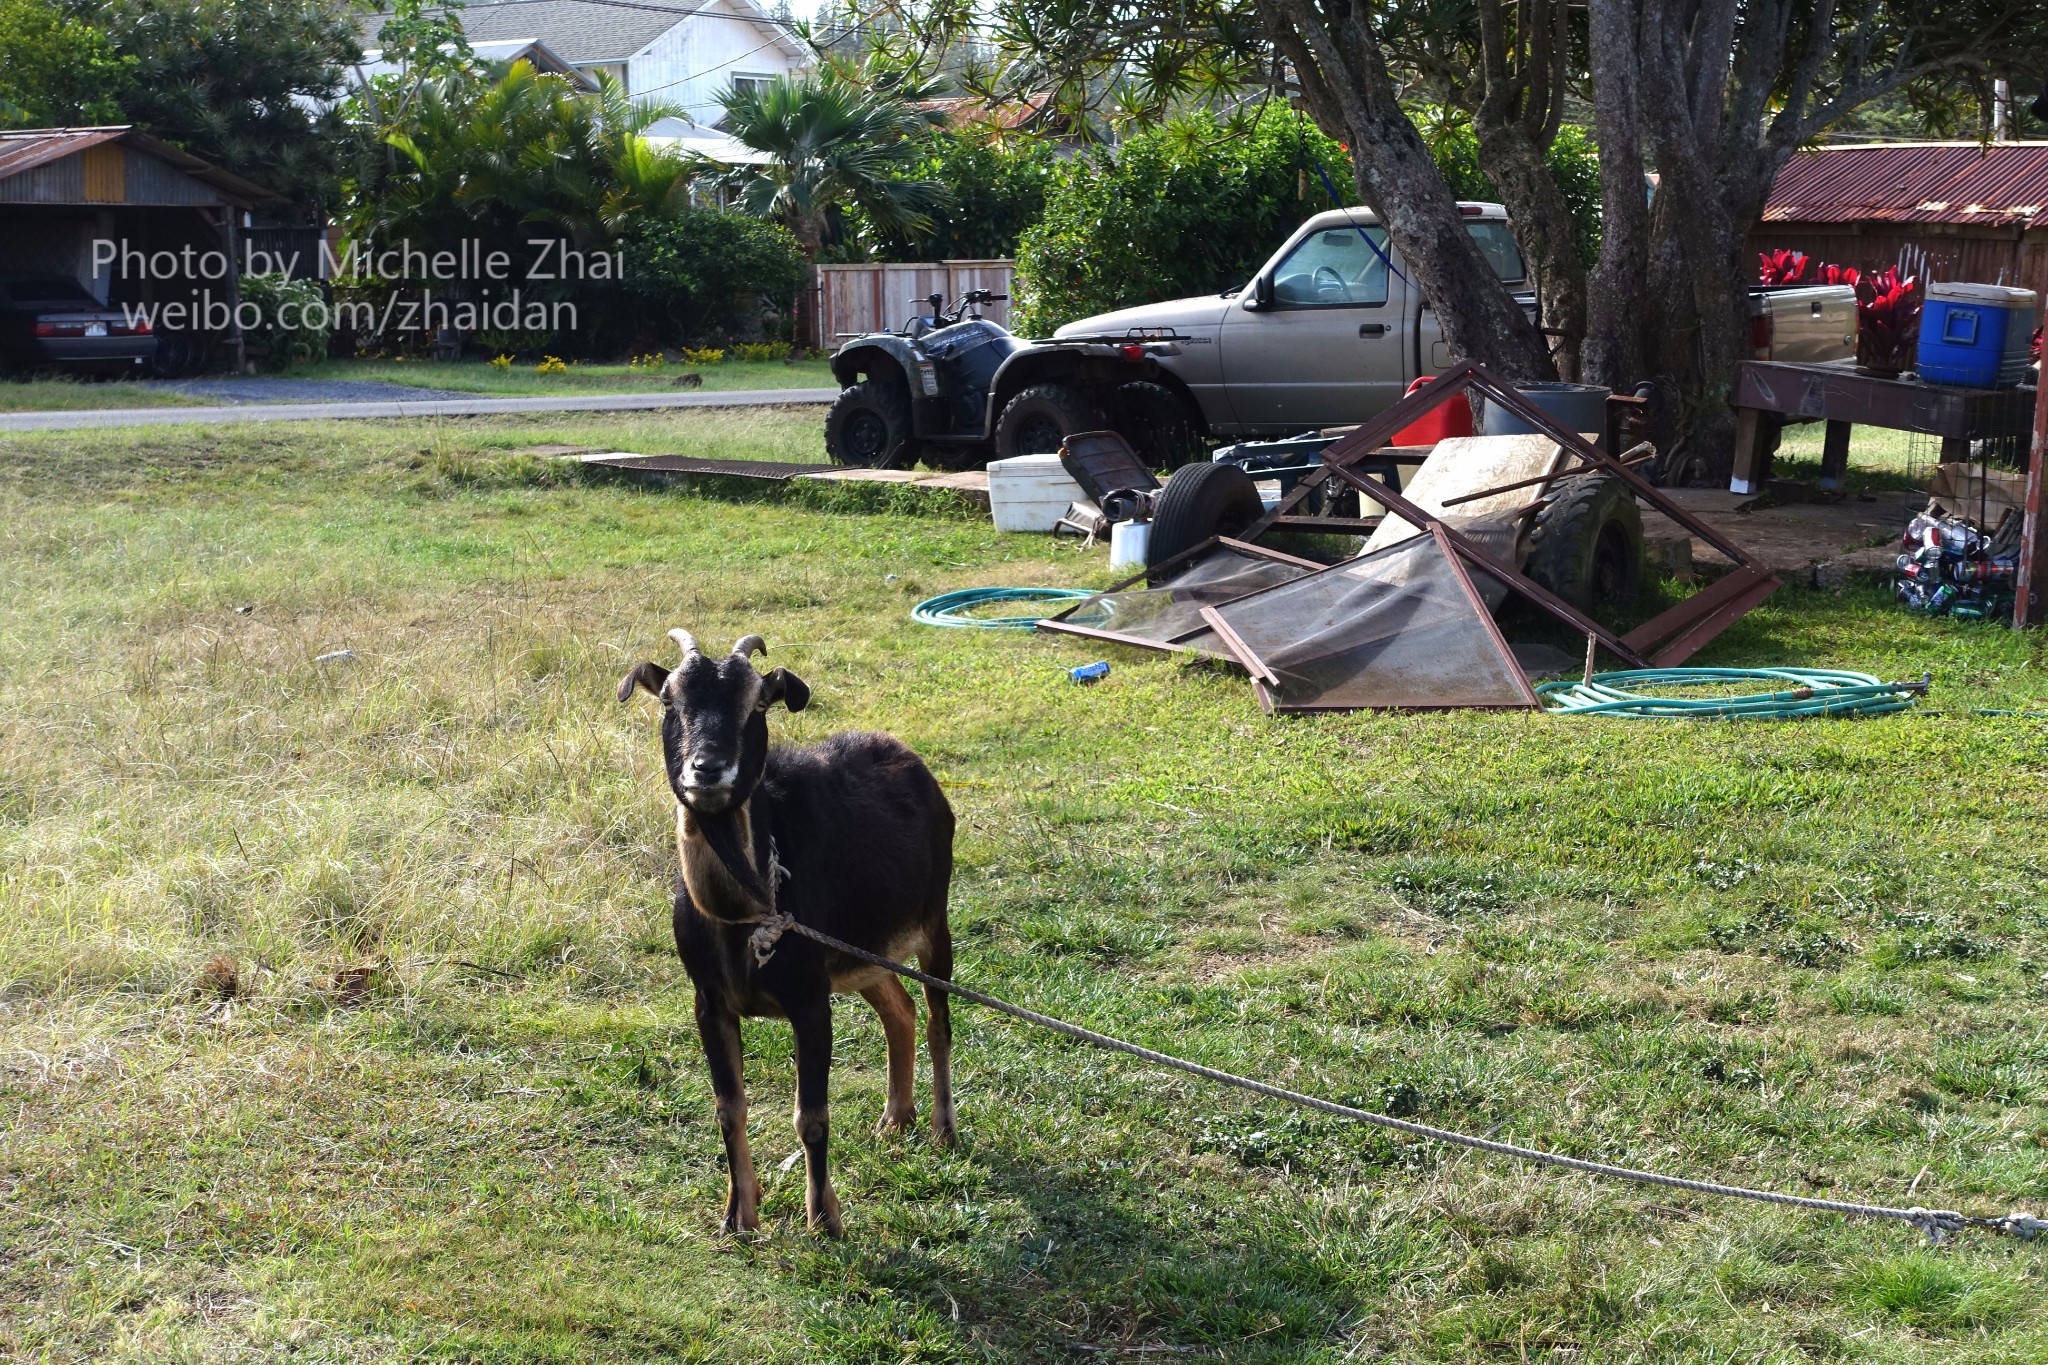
(1127, 542)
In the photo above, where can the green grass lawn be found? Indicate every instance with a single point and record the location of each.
(456, 1110)
(477, 376)
(70, 395)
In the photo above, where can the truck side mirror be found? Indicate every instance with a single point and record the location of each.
(1261, 293)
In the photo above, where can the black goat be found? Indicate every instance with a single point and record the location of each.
(852, 837)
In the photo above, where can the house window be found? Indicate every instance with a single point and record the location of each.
(750, 84)
(616, 70)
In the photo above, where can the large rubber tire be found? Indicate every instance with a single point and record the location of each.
(178, 354)
(1199, 501)
(1039, 419)
(1587, 544)
(868, 425)
(1157, 424)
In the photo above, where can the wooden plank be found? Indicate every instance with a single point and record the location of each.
(1751, 463)
(1695, 637)
(1834, 453)
(1668, 623)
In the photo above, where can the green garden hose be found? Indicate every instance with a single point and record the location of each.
(949, 608)
(1815, 692)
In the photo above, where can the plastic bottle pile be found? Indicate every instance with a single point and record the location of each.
(1951, 568)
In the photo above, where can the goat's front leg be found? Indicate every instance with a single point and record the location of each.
(719, 1028)
(812, 1024)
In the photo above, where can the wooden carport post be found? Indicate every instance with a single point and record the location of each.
(2030, 601)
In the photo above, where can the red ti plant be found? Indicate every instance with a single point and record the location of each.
(1781, 266)
(1887, 320)
(1840, 274)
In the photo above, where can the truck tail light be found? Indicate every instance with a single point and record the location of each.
(1760, 337)
(1470, 210)
(1132, 351)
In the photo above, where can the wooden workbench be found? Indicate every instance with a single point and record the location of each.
(1844, 399)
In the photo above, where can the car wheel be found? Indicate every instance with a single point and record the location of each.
(1200, 501)
(1587, 544)
(1039, 420)
(177, 355)
(868, 425)
(1157, 424)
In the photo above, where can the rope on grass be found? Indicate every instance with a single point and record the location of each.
(950, 608)
(1814, 692)
(1936, 1223)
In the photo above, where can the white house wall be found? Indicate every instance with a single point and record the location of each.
(693, 63)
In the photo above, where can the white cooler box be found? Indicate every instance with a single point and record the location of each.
(1030, 492)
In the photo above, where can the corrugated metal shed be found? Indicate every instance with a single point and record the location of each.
(114, 165)
(2002, 185)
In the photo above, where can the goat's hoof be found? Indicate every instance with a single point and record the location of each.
(823, 1216)
(944, 1135)
(896, 1123)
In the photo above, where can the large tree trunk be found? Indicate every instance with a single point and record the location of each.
(1347, 90)
(1617, 338)
(1543, 228)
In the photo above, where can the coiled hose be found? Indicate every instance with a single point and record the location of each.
(1815, 692)
(949, 608)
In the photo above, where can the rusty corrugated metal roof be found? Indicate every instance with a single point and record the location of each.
(2002, 185)
(29, 148)
(25, 149)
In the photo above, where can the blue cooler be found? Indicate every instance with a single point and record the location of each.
(1975, 335)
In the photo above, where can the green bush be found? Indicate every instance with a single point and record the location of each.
(1186, 209)
(706, 275)
(997, 191)
(295, 321)
(1573, 160)
(1189, 209)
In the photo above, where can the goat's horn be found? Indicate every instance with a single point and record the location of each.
(747, 644)
(685, 639)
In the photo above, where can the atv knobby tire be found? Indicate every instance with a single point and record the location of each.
(868, 425)
(1200, 501)
(1039, 420)
(1587, 544)
(1157, 424)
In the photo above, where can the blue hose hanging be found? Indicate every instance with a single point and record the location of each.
(1814, 692)
(949, 608)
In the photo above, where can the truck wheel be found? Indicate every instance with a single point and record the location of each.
(1157, 424)
(1199, 501)
(1039, 419)
(1587, 544)
(869, 425)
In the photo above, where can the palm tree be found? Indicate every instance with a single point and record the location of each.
(830, 144)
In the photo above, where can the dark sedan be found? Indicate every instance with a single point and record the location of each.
(49, 321)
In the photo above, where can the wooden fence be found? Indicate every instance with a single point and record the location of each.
(856, 299)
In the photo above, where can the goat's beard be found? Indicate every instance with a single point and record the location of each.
(722, 832)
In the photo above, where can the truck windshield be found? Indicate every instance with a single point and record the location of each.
(1497, 244)
(1334, 268)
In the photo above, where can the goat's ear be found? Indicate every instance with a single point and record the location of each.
(787, 688)
(647, 675)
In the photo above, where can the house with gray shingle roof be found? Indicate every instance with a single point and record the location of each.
(682, 52)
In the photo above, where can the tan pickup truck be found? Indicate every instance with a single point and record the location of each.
(1331, 330)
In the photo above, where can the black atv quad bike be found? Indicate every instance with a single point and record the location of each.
(956, 390)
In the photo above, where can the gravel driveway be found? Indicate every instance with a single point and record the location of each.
(264, 389)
